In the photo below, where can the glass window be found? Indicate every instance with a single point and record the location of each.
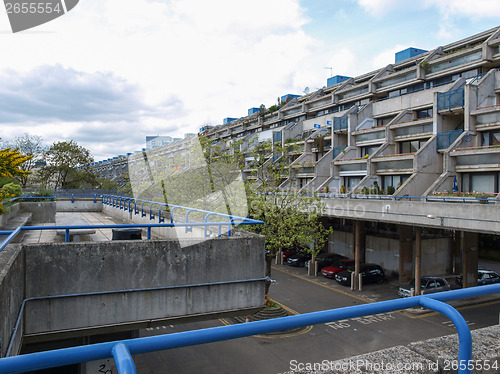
(483, 183)
(351, 182)
(490, 138)
(495, 138)
(485, 139)
(424, 113)
(465, 182)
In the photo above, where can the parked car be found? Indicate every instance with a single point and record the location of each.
(337, 267)
(298, 259)
(427, 285)
(483, 277)
(370, 273)
(287, 253)
(326, 259)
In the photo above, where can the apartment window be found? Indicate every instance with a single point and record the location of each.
(490, 138)
(481, 182)
(411, 146)
(368, 150)
(424, 113)
(393, 180)
(351, 182)
(384, 121)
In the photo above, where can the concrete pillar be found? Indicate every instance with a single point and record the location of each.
(418, 257)
(359, 249)
(469, 244)
(405, 253)
(457, 253)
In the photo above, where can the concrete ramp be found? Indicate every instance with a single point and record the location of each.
(78, 288)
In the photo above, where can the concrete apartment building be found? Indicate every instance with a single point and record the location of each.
(429, 124)
(418, 125)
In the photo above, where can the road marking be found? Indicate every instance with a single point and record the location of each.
(451, 324)
(368, 320)
(290, 310)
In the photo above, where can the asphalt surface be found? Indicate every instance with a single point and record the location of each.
(300, 293)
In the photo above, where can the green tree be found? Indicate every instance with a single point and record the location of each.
(30, 145)
(291, 219)
(67, 166)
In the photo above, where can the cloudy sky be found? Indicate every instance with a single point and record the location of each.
(110, 72)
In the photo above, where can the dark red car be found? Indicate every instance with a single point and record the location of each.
(337, 267)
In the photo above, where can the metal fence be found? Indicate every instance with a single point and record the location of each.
(122, 351)
(450, 99)
(447, 138)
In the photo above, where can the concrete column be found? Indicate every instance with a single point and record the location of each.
(418, 257)
(457, 253)
(359, 249)
(405, 253)
(469, 244)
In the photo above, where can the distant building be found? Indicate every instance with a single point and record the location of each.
(157, 141)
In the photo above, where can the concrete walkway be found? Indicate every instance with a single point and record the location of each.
(93, 218)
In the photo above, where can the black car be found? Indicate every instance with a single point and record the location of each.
(298, 259)
(370, 273)
(483, 277)
(326, 259)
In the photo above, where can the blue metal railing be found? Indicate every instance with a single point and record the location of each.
(122, 351)
(125, 203)
(121, 291)
(338, 150)
(450, 99)
(446, 138)
(340, 123)
(444, 199)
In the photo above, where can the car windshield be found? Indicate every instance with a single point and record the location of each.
(337, 264)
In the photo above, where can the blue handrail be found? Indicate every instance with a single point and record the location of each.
(122, 350)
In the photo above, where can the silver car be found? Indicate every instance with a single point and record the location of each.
(427, 285)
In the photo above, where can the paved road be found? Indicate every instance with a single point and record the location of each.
(321, 342)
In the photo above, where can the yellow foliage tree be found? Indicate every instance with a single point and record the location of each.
(10, 167)
(10, 163)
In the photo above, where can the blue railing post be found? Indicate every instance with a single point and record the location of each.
(123, 359)
(464, 335)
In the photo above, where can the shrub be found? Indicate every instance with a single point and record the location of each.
(390, 190)
(12, 190)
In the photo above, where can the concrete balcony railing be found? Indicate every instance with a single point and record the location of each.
(477, 158)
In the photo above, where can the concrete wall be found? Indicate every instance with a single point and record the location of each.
(41, 211)
(11, 294)
(414, 100)
(79, 206)
(11, 212)
(74, 268)
(483, 218)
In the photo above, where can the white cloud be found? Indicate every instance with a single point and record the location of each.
(482, 8)
(387, 56)
(204, 60)
(380, 7)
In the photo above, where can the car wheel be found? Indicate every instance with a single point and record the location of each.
(380, 280)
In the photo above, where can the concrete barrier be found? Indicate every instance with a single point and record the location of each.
(207, 277)
(79, 205)
(12, 282)
(41, 211)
